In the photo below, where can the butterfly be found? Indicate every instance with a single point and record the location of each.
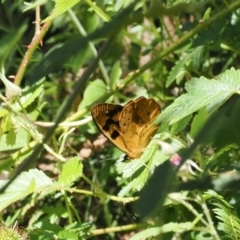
(128, 127)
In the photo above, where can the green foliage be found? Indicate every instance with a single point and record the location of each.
(61, 7)
(8, 42)
(203, 93)
(25, 184)
(229, 222)
(16, 126)
(97, 87)
(64, 180)
(70, 172)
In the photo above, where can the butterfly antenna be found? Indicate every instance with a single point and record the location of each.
(108, 159)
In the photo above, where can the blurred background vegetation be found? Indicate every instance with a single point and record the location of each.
(66, 56)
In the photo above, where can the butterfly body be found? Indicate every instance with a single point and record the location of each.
(128, 127)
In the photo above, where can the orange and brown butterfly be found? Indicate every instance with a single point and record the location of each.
(128, 127)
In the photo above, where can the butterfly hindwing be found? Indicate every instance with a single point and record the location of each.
(142, 112)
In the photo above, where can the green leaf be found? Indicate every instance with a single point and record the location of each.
(98, 11)
(9, 41)
(30, 97)
(19, 137)
(25, 184)
(178, 71)
(3, 112)
(139, 180)
(71, 171)
(198, 56)
(61, 7)
(139, 170)
(11, 137)
(68, 234)
(214, 159)
(115, 75)
(7, 124)
(180, 125)
(198, 122)
(212, 194)
(64, 5)
(34, 5)
(201, 93)
(10, 142)
(98, 88)
(228, 221)
(83, 57)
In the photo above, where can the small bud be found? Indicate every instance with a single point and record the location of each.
(175, 159)
(12, 90)
(187, 170)
(167, 149)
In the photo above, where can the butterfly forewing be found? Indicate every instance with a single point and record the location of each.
(106, 117)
